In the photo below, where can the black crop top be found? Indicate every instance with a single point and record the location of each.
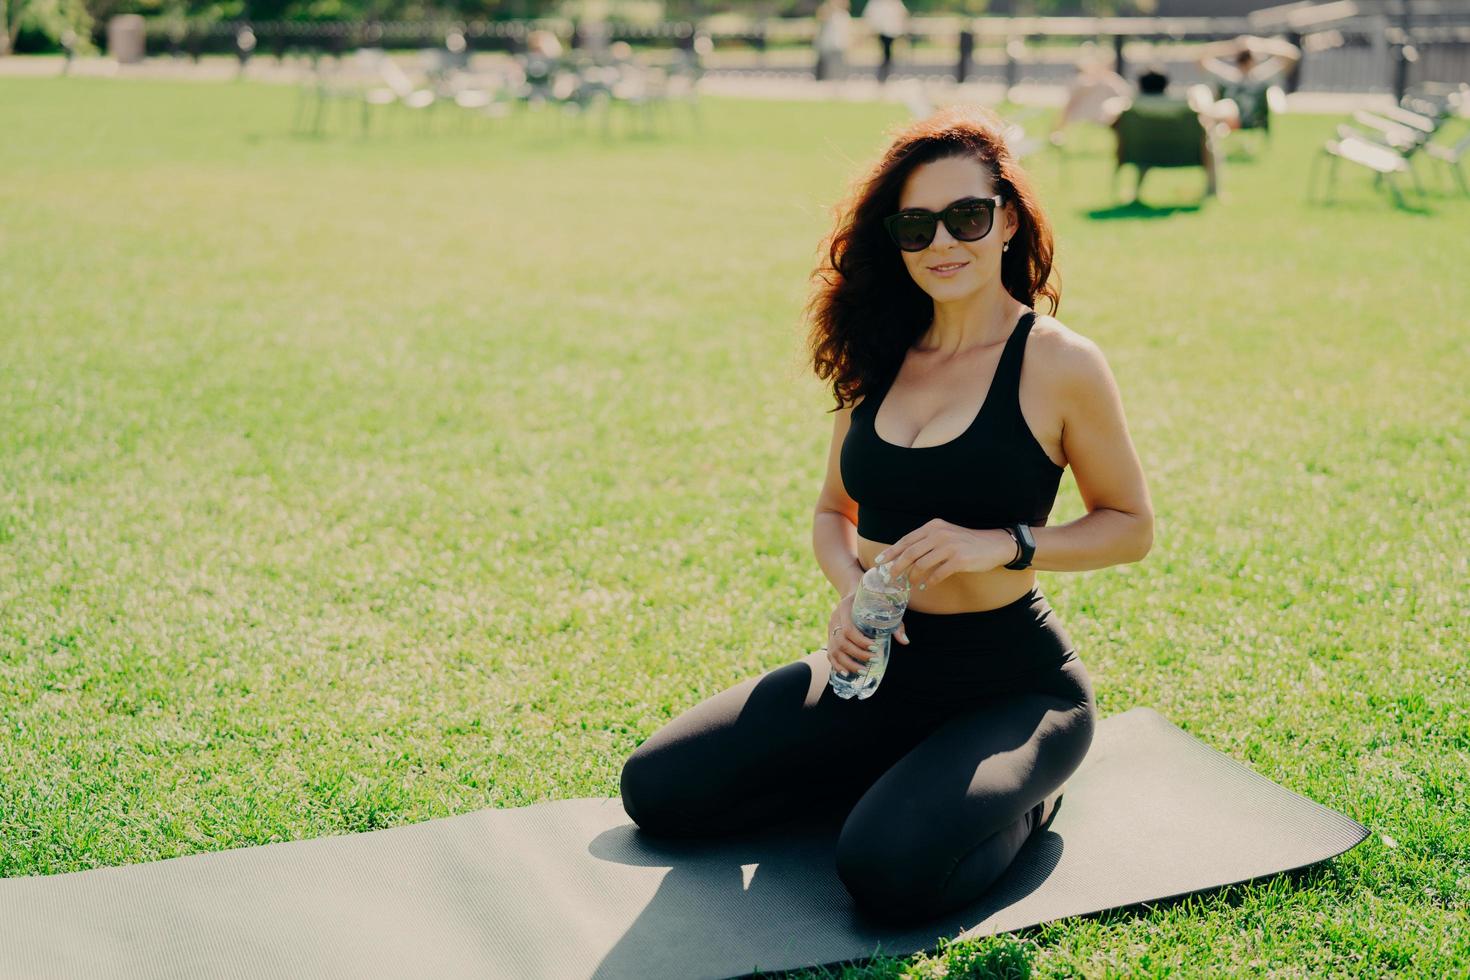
(993, 474)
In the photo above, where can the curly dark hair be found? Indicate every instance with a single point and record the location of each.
(866, 310)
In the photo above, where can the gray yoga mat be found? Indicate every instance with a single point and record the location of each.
(572, 888)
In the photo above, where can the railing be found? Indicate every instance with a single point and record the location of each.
(1347, 45)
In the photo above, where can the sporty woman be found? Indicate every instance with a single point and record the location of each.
(958, 408)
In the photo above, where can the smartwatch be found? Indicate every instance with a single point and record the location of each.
(1024, 540)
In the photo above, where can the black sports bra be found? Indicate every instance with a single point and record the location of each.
(993, 474)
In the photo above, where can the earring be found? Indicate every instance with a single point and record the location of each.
(1007, 246)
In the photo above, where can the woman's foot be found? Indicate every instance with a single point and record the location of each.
(1049, 808)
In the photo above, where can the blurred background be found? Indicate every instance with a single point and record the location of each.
(1347, 45)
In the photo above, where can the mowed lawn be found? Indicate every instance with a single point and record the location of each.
(350, 483)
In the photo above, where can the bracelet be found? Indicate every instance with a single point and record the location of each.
(1022, 534)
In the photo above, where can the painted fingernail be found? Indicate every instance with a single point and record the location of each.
(878, 560)
(923, 586)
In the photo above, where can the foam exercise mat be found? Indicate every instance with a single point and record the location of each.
(572, 888)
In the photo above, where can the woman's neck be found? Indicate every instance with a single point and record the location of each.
(981, 320)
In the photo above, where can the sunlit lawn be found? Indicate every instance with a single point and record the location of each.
(347, 484)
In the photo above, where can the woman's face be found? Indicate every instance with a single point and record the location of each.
(934, 186)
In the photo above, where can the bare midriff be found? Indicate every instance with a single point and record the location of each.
(962, 591)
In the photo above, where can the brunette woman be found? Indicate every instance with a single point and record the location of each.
(958, 408)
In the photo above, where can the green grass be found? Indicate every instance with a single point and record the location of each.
(347, 484)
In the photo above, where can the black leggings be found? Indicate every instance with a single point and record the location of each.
(941, 773)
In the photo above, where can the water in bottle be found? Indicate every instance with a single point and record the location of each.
(877, 610)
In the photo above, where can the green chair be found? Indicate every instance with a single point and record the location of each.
(1257, 102)
(1251, 99)
(1161, 133)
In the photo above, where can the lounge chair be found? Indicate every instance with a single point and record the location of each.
(1451, 157)
(1385, 163)
(1156, 133)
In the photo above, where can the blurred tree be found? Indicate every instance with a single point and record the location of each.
(51, 18)
(12, 12)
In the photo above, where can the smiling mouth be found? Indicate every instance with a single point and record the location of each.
(947, 267)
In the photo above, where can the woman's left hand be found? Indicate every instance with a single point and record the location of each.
(938, 549)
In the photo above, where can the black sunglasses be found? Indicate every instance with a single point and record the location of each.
(969, 219)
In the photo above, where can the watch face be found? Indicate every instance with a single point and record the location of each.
(1027, 545)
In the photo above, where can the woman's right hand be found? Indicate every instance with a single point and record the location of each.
(848, 649)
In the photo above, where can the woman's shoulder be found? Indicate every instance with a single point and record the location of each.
(1068, 359)
(1051, 337)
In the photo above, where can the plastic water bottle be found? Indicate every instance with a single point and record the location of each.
(877, 610)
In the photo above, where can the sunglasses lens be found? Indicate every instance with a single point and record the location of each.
(913, 232)
(969, 222)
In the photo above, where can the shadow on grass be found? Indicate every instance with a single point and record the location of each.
(1323, 876)
(1138, 209)
(1245, 155)
(1074, 151)
(1368, 205)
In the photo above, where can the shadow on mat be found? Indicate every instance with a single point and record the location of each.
(1233, 895)
(773, 896)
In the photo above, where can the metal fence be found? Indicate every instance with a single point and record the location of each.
(1348, 45)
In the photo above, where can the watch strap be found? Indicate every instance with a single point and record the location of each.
(1021, 533)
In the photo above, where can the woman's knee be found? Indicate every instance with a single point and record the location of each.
(906, 879)
(679, 786)
(891, 893)
(892, 873)
(648, 789)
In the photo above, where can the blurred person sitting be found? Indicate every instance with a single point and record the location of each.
(1159, 129)
(541, 58)
(834, 33)
(621, 54)
(540, 62)
(1243, 83)
(1153, 88)
(543, 43)
(1096, 93)
(630, 76)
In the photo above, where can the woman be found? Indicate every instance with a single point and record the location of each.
(834, 25)
(968, 407)
(889, 20)
(1096, 93)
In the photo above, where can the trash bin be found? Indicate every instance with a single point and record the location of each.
(125, 38)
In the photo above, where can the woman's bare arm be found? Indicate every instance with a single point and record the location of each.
(834, 522)
(1119, 524)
